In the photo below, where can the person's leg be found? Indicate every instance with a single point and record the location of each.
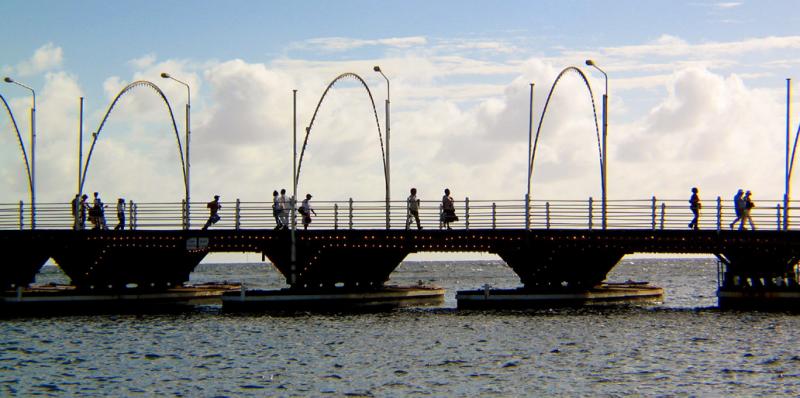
(416, 217)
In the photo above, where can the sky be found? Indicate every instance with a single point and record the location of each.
(697, 97)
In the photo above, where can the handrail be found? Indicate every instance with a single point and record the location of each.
(666, 214)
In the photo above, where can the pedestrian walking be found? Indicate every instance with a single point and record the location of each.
(695, 206)
(276, 210)
(213, 212)
(284, 209)
(306, 210)
(412, 208)
(120, 215)
(738, 206)
(76, 211)
(83, 208)
(97, 213)
(448, 209)
(748, 205)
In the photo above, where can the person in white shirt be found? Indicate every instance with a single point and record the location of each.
(413, 208)
(306, 210)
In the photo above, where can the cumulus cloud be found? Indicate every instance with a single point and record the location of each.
(45, 58)
(456, 121)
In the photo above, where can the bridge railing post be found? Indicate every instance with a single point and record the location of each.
(591, 212)
(335, 216)
(494, 216)
(527, 212)
(663, 212)
(547, 214)
(719, 213)
(778, 210)
(466, 213)
(21, 215)
(350, 216)
(238, 215)
(653, 213)
(184, 221)
(134, 215)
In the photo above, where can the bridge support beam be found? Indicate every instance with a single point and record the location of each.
(548, 267)
(123, 264)
(758, 279)
(354, 262)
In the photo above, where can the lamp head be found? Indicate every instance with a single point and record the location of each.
(589, 62)
(165, 75)
(376, 68)
(8, 80)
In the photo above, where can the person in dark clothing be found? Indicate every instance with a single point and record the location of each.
(213, 210)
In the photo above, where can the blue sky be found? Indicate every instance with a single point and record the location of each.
(697, 95)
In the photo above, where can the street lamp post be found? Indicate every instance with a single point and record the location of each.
(387, 168)
(187, 222)
(604, 164)
(33, 150)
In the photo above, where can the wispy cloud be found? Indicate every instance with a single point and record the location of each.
(728, 4)
(336, 44)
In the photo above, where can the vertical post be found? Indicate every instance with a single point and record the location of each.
(547, 213)
(591, 211)
(719, 213)
(494, 215)
(238, 216)
(33, 163)
(663, 211)
(21, 215)
(80, 145)
(188, 163)
(388, 162)
(466, 213)
(335, 216)
(183, 213)
(605, 157)
(530, 149)
(293, 254)
(778, 209)
(653, 213)
(135, 218)
(350, 216)
(788, 171)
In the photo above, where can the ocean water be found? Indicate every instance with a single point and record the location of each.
(683, 346)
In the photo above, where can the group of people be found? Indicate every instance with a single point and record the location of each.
(281, 205)
(96, 212)
(742, 203)
(448, 209)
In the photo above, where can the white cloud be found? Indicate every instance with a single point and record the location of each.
(46, 57)
(346, 43)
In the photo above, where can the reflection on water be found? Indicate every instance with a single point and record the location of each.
(681, 347)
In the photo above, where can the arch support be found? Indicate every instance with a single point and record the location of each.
(374, 112)
(128, 88)
(564, 72)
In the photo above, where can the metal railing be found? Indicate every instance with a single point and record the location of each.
(653, 213)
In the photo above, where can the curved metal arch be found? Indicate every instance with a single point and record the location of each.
(127, 88)
(21, 144)
(594, 111)
(322, 98)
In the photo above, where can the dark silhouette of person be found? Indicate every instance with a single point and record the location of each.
(76, 211)
(306, 210)
(448, 209)
(277, 209)
(412, 204)
(738, 206)
(120, 214)
(695, 206)
(748, 205)
(213, 210)
(83, 208)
